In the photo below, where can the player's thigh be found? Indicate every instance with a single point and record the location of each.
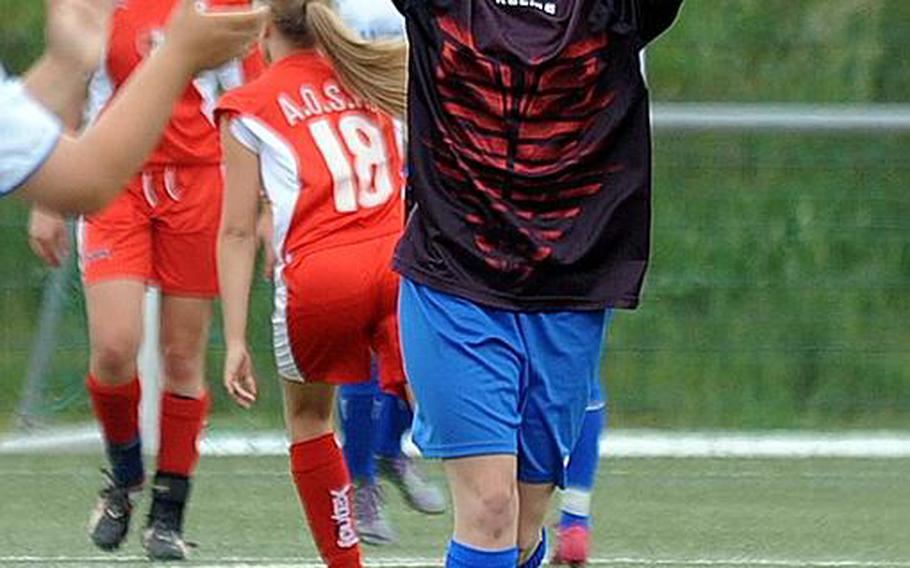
(465, 371)
(564, 353)
(187, 219)
(115, 313)
(308, 409)
(322, 319)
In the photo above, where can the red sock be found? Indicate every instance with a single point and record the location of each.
(182, 420)
(324, 487)
(117, 409)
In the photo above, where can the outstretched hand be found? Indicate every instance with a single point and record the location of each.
(208, 38)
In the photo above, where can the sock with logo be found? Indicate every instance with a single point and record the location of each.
(182, 420)
(357, 408)
(324, 487)
(117, 409)
(582, 471)
(464, 556)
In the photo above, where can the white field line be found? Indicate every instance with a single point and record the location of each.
(269, 475)
(416, 562)
(617, 443)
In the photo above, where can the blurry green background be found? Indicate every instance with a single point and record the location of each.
(778, 296)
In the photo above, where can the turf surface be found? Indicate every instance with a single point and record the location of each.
(680, 512)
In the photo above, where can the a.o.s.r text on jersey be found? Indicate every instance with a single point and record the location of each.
(311, 101)
(545, 7)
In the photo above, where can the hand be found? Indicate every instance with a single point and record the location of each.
(265, 231)
(207, 39)
(77, 32)
(48, 236)
(238, 376)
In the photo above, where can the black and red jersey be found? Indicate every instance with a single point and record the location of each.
(530, 152)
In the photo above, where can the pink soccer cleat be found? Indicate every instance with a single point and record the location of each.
(573, 546)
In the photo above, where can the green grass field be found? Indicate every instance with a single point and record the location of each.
(649, 512)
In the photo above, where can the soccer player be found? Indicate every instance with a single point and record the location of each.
(67, 174)
(161, 230)
(573, 531)
(373, 422)
(529, 159)
(315, 133)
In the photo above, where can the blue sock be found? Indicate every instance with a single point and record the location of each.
(356, 403)
(461, 556)
(582, 471)
(394, 418)
(540, 553)
(126, 463)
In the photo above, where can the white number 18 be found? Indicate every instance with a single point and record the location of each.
(369, 182)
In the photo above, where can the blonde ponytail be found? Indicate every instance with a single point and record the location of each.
(375, 71)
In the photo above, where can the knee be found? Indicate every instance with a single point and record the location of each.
(183, 366)
(114, 358)
(308, 421)
(495, 510)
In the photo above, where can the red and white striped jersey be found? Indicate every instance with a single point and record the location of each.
(331, 163)
(191, 137)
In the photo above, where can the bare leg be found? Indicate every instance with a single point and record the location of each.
(485, 499)
(115, 329)
(184, 337)
(308, 410)
(535, 501)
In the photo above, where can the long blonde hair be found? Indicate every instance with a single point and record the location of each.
(375, 71)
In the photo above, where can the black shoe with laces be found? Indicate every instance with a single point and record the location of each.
(110, 520)
(163, 534)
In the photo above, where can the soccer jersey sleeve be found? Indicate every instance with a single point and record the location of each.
(29, 135)
(241, 131)
(647, 19)
(229, 114)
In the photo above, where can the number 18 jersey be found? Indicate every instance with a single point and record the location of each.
(331, 163)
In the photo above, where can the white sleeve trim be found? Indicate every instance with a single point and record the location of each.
(30, 134)
(243, 133)
(100, 93)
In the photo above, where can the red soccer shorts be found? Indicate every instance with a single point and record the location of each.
(162, 230)
(334, 309)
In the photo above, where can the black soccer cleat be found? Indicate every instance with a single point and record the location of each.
(110, 520)
(163, 534)
(164, 543)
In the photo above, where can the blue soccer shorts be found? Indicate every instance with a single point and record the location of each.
(598, 398)
(490, 381)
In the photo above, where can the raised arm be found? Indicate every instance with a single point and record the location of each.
(237, 242)
(77, 32)
(647, 18)
(83, 175)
